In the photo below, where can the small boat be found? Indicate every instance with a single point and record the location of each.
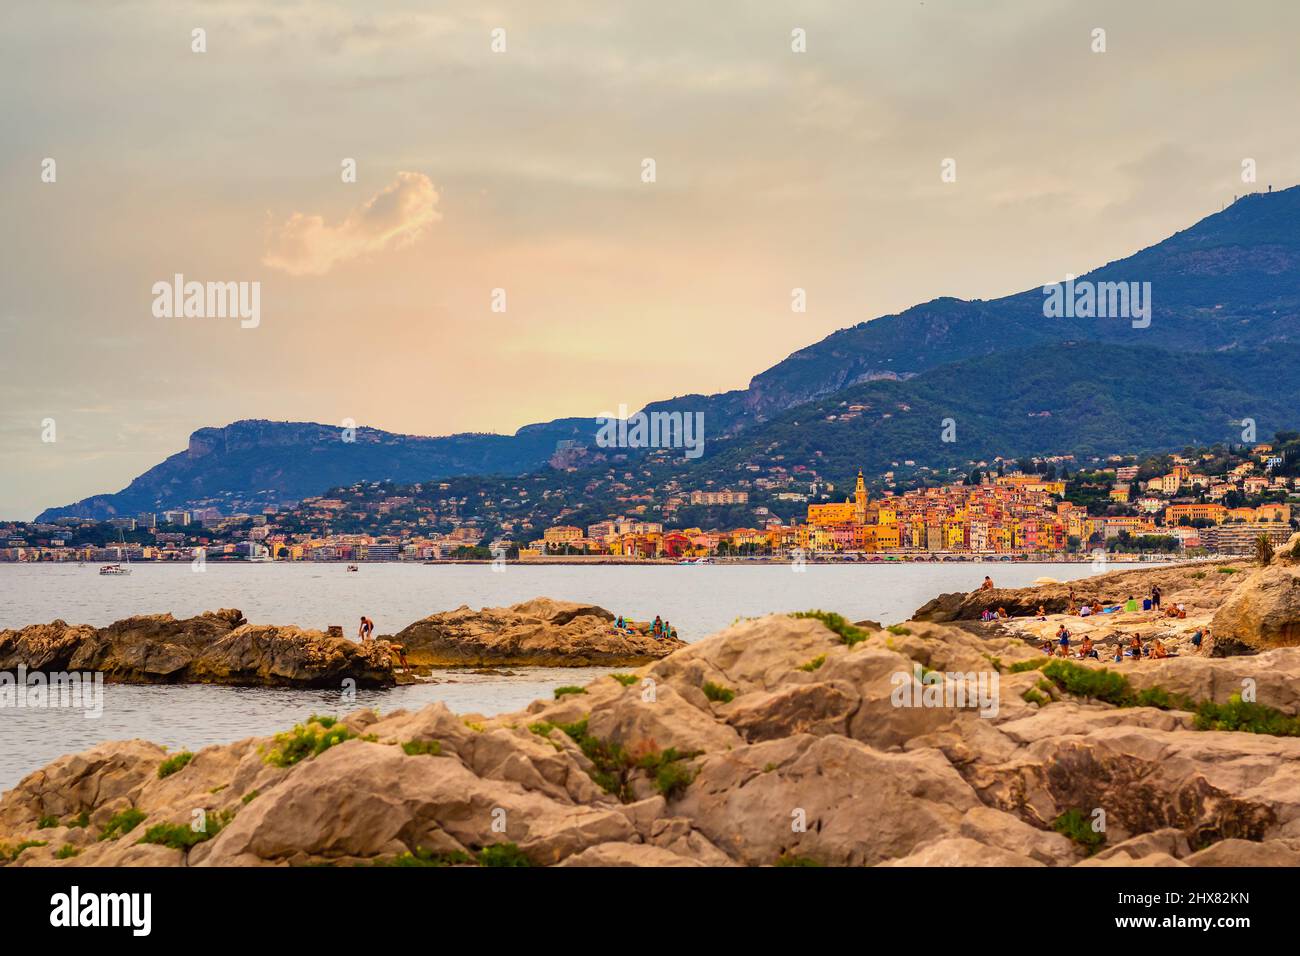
(114, 569)
(353, 567)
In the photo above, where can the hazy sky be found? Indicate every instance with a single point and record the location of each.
(522, 170)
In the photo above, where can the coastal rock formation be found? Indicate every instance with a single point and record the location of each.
(780, 741)
(218, 647)
(540, 632)
(1198, 586)
(1264, 610)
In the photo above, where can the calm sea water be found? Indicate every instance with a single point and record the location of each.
(697, 600)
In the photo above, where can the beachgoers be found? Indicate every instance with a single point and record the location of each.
(1155, 597)
(1042, 613)
(988, 584)
(1063, 639)
(366, 630)
(1086, 649)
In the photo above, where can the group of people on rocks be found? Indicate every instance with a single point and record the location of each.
(659, 629)
(1131, 648)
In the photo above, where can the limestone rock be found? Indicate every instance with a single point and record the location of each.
(1264, 611)
(540, 632)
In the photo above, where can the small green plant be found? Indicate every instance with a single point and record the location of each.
(789, 859)
(81, 820)
(423, 857)
(1019, 667)
(849, 633)
(304, 742)
(1198, 575)
(174, 763)
(768, 767)
(1074, 825)
(474, 725)
(181, 836)
(565, 691)
(66, 852)
(813, 664)
(503, 854)
(326, 722)
(412, 748)
(898, 629)
(121, 824)
(627, 680)
(1098, 683)
(1246, 716)
(17, 851)
(45, 823)
(542, 728)
(1227, 570)
(249, 797)
(1032, 696)
(717, 693)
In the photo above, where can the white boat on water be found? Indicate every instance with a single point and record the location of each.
(114, 569)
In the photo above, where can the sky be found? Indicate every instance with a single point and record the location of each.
(522, 168)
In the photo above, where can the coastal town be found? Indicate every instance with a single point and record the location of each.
(1203, 501)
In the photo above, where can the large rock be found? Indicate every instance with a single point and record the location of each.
(1264, 611)
(540, 632)
(218, 647)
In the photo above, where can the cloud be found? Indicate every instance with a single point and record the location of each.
(396, 217)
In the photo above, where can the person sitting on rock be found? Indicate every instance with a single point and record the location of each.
(1042, 613)
(1158, 650)
(1131, 604)
(658, 627)
(1046, 647)
(1085, 610)
(1002, 614)
(1119, 654)
(988, 584)
(1086, 649)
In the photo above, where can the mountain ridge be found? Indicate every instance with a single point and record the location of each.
(1230, 281)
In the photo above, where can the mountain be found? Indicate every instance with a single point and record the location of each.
(253, 463)
(1230, 281)
(1084, 398)
(1228, 286)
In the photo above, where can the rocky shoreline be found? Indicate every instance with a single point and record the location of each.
(783, 740)
(221, 647)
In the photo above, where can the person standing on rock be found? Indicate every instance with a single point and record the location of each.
(1155, 597)
(366, 630)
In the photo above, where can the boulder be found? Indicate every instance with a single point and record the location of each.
(540, 632)
(218, 647)
(1264, 611)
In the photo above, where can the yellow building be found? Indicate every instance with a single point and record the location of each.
(824, 515)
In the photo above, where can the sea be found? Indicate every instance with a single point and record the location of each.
(698, 600)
